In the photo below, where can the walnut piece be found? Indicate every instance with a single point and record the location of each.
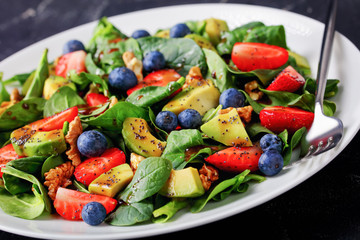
(15, 97)
(244, 112)
(75, 129)
(134, 64)
(113, 101)
(252, 88)
(193, 77)
(208, 175)
(58, 177)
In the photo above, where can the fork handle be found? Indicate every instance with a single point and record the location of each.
(325, 53)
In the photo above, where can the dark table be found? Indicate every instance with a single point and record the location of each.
(326, 206)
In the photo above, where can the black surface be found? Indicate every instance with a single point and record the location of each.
(326, 206)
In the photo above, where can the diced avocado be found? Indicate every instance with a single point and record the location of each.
(300, 60)
(28, 142)
(201, 41)
(53, 83)
(201, 96)
(163, 33)
(214, 27)
(183, 183)
(112, 181)
(138, 138)
(227, 129)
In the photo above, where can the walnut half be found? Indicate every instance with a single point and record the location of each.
(208, 175)
(252, 88)
(58, 177)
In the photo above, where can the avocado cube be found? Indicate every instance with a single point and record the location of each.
(53, 83)
(227, 129)
(112, 181)
(183, 183)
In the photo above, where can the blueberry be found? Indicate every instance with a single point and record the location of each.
(140, 33)
(232, 98)
(271, 141)
(93, 213)
(271, 162)
(166, 120)
(153, 61)
(72, 46)
(122, 79)
(179, 30)
(189, 119)
(92, 143)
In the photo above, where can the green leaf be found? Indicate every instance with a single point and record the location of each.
(4, 95)
(131, 214)
(164, 213)
(150, 176)
(295, 140)
(50, 163)
(272, 35)
(64, 98)
(113, 118)
(41, 74)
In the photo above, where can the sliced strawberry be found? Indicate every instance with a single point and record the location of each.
(278, 118)
(69, 203)
(248, 56)
(95, 99)
(56, 121)
(236, 159)
(73, 60)
(7, 154)
(93, 167)
(288, 80)
(157, 78)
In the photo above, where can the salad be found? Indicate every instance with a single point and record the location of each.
(133, 129)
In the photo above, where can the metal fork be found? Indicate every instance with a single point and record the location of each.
(325, 132)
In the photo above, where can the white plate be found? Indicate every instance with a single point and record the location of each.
(303, 36)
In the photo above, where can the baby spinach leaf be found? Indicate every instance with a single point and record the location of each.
(83, 79)
(51, 162)
(217, 70)
(92, 67)
(4, 95)
(295, 140)
(178, 142)
(21, 113)
(130, 214)
(64, 98)
(150, 176)
(80, 187)
(164, 213)
(20, 78)
(41, 74)
(331, 88)
(113, 118)
(254, 129)
(180, 54)
(147, 96)
(272, 35)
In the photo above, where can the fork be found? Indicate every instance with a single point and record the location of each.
(325, 132)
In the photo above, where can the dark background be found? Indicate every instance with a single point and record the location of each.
(326, 206)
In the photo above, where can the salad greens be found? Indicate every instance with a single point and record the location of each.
(22, 190)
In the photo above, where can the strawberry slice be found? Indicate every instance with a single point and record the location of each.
(249, 56)
(93, 167)
(288, 80)
(95, 99)
(56, 121)
(69, 203)
(279, 118)
(7, 154)
(236, 159)
(73, 60)
(157, 78)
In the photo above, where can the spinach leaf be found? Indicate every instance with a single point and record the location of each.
(147, 96)
(113, 118)
(83, 79)
(131, 214)
(4, 95)
(217, 70)
(164, 213)
(223, 189)
(178, 142)
(254, 129)
(229, 38)
(21, 113)
(20, 78)
(273, 35)
(51, 162)
(331, 88)
(150, 176)
(295, 140)
(180, 53)
(92, 67)
(197, 27)
(64, 98)
(41, 74)
(80, 187)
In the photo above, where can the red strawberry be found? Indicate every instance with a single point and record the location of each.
(69, 203)
(73, 60)
(236, 159)
(288, 80)
(7, 154)
(157, 78)
(95, 99)
(93, 167)
(249, 56)
(278, 118)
